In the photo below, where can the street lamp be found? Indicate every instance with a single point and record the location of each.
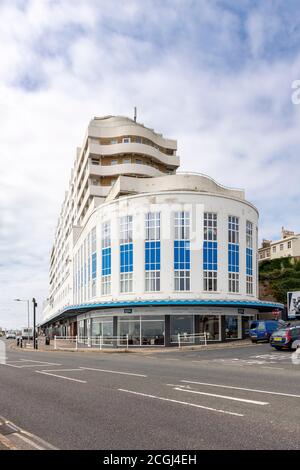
(25, 300)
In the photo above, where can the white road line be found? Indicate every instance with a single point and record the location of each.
(41, 362)
(11, 365)
(62, 370)
(254, 402)
(60, 376)
(241, 388)
(31, 365)
(113, 371)
(181, 402)
(28, 441)
(29, 437)
(270, 367)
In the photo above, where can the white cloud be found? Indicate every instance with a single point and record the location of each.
(197, 71)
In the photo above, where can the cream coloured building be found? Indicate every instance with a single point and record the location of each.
(144, 251)
(287, 246)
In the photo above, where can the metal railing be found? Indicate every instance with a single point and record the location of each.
(95, 342)
(192, 339)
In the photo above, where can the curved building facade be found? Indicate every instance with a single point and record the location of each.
(155, 254)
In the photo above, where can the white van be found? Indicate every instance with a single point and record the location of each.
(27, 333)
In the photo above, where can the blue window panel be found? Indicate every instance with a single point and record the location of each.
(126, 258)
(147, 256)
(182, 255)
(249, 261)
(94, 266)
(106, 261)
(210, 256)
(152, 255)
(233, 258)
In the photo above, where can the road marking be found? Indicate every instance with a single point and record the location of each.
(270, 367)
(41, 362)
(60, 376)
(25, 436)
(28, 441)
(61, 370)
(181, 402)
(254, 402)
(35, 363)
(241, 388)
(113, 371)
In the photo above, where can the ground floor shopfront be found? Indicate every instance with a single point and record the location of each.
(159, 326)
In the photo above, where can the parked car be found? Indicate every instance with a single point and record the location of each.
(286, 338)
(10, 335)
(261, 330)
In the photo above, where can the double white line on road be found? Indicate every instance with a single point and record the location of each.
(180, 402)
(81, 369)
(114, 372)
(241, 388)
(33, 363)
(50, 372)
(245, 400)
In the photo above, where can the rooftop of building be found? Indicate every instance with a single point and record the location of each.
(285, 236)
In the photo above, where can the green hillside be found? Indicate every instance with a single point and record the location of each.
(277, 277)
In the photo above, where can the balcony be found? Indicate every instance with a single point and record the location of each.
(134, 148)
(124, 169)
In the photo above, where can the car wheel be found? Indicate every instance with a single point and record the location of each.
(254, 340)
(279, 348)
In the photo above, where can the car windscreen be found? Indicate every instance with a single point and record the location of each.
(280, 333)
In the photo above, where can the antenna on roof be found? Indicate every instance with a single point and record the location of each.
(134, 118)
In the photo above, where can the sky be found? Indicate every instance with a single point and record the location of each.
(215, 75)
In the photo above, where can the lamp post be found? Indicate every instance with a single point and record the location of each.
(25, 300)
(34, 325)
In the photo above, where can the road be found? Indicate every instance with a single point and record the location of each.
(240, 398)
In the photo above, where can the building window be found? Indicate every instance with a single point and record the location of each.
(233, 282)
(126, 282)
(152, 251)
(126, 258)
(281, 247)
(274, 249)
(210, 252)
(233, 254)
(210, 281)
(94, 261)
(126, 140)
(249, 285)
(126, 229)
(106, 259)
(114, 162)
(182, 325)
(152, 281)
(289, 244)
(182, 263)
(126, 254)
(249, 257)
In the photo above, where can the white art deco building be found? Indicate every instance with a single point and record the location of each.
(144, 251)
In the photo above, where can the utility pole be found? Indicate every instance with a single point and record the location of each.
(34, 321)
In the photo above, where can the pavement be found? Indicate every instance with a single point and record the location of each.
(238, 397)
